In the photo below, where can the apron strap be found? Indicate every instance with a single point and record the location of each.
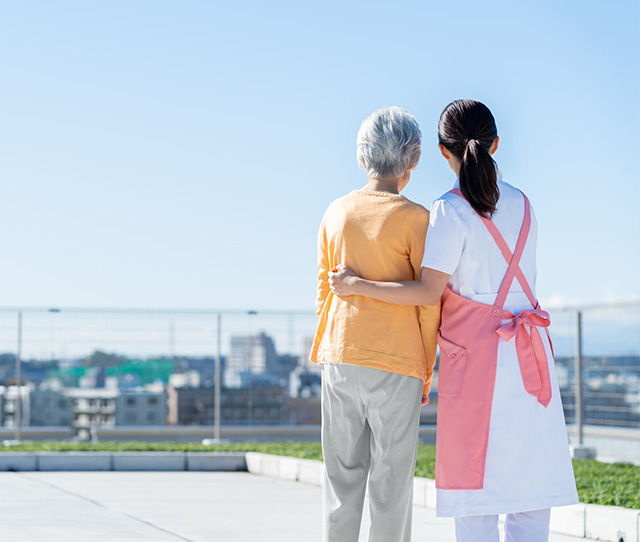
(513, 271)
(513, 260)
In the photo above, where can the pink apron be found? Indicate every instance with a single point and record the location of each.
(469, 336)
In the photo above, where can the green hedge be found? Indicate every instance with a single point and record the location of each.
(613, 484)
(297, 449)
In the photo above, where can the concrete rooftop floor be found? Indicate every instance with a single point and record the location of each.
(174, 506)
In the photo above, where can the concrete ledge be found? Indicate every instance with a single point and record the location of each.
(431, 492)
(569, 520)
(420, 492)
(220, 462)
(271, 465)
(149, 461)
(311, 472)
(18, 461)
(611, 523)
(254, 462)
(424, 492)
(74, 461)
(287, 468)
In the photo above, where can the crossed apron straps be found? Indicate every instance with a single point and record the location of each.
(532, 356)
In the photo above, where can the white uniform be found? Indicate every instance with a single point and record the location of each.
(528, 465)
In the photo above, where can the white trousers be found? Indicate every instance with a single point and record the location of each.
(370, 422)
(530, 526)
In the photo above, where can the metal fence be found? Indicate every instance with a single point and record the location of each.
(598, 364)
(598, 346)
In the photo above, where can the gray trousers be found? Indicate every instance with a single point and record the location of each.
(370, 422)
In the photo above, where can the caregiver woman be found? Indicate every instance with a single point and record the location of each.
(502, 445)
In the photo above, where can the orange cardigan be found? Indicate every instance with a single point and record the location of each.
(381, 237)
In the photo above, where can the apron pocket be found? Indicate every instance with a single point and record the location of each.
(453, 362)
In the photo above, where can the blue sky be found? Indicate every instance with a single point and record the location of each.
(181, 154)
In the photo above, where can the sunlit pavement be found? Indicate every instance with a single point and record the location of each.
(159, 506)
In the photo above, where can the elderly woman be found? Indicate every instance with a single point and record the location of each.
(377, 358)
(502, 444)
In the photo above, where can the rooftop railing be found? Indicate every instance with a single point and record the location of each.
(597, 359)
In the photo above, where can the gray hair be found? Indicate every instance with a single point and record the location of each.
(388, 142)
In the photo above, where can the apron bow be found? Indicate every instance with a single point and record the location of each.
(532, 355)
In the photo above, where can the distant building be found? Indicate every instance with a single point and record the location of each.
(50, 407)
(240, 406)
(92, 408)
(84, 409)
(33, 372)
(250, 355)
(190, 405)
(254, 406)
(611, 390)
(145, 371)
(10, 396)
(141, 407)
(188, 379)
(205, 367)
(305, 382)
(302, 411)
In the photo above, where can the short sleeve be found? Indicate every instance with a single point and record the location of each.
(323, 290)
(445, 238)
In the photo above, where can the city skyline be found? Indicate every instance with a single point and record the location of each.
(142, 334)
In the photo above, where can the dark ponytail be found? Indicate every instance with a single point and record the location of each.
(467, 129)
